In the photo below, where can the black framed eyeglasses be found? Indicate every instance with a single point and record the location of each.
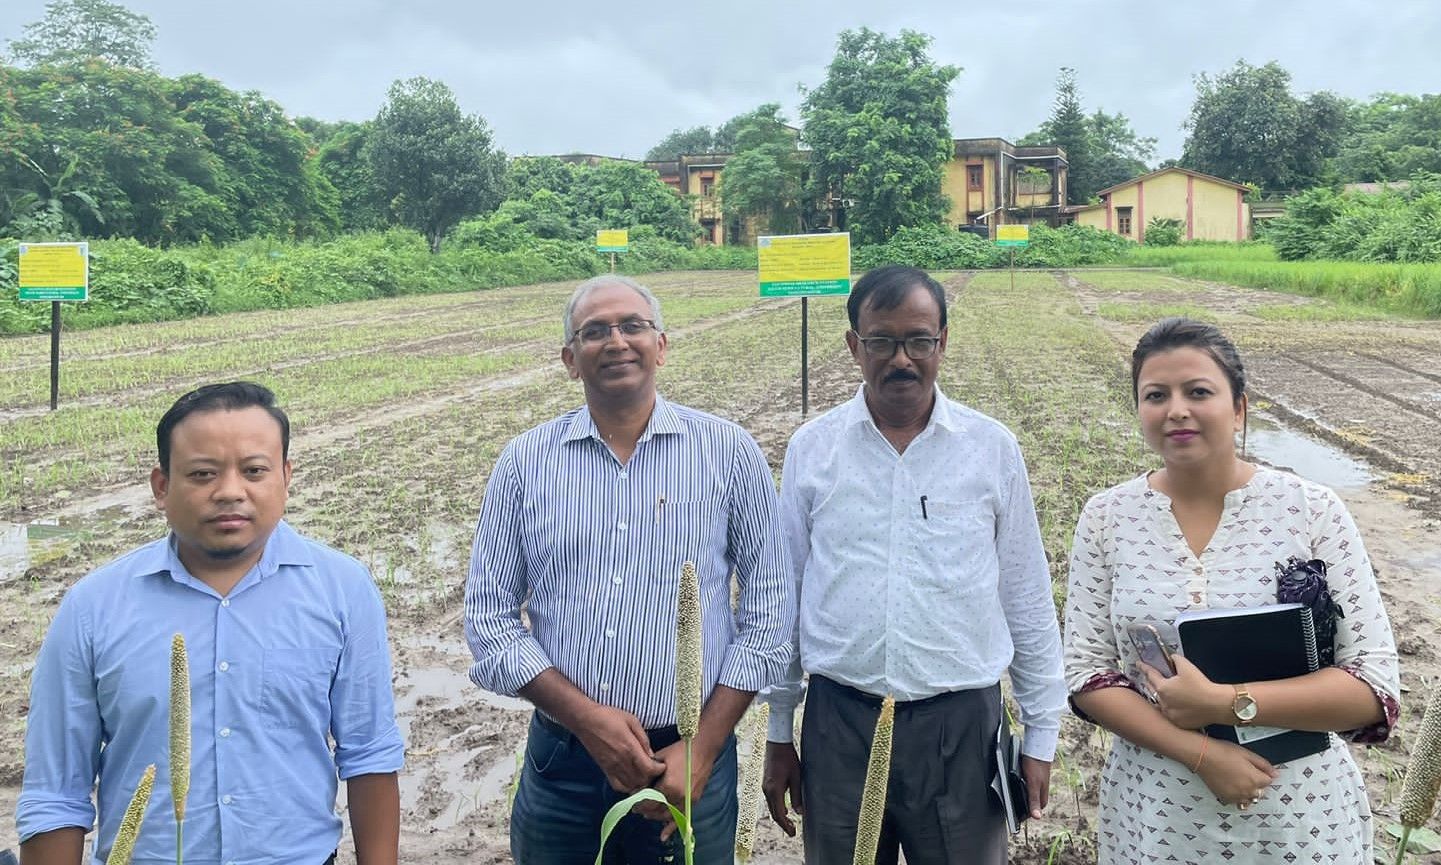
(917, 347)
(596, 332)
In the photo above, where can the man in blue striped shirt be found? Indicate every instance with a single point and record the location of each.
(586, 522)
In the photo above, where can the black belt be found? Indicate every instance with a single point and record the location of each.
(872, 700)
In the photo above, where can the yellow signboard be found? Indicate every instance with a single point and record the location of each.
(804, 264)
(612, 240)
(54, 271)
(1013, 235)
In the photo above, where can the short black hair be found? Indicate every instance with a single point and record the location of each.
(886, 287)
(227, 396)
(1169, 334)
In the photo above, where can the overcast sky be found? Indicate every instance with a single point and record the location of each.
(614, 78)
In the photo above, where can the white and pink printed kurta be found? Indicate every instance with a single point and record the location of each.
(1130, 563)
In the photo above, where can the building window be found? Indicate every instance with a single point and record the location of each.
(975, 177)
(707, 188)
(1033, 182)
(1123, 220)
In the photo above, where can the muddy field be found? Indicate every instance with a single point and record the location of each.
(401, 406)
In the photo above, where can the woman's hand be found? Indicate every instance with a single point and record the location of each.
(1236, 775)
(1189, 699)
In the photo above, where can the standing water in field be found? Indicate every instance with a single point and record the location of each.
(1284, 448)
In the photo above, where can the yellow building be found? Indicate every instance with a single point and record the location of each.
(698, 175)
(1207, 207)
(991, 182)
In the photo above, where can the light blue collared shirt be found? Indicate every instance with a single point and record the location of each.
(294, 656)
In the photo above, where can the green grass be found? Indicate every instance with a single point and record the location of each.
(1404, 289)
(1321, 311)
(1166, 256)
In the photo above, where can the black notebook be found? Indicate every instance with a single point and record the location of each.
(1255, 645)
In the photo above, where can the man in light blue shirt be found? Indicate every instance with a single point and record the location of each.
(287, 649)
(587, 521)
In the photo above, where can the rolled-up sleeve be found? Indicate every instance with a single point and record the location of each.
(506, 656)
(1365, 646)
(765, 613)
(63, 730)
(367, 738)
(1030, 609)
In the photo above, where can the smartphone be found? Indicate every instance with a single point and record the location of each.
(1152, 649)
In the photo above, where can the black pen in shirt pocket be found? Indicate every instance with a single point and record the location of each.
(659, 508)
(924, 515)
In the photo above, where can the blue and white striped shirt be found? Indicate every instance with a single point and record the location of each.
(594, 548)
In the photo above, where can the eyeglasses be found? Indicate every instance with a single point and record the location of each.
(917, 347)
(597, 332)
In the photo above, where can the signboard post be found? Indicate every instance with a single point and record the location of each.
(1013, 236)
(55, 272)
(612, 240)
(804, 265)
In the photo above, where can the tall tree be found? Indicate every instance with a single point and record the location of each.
(1247, 126)
(341, 159)
(1390, 138)
(763, 178)
(435, 164)
(74, 31)
(270, 183)
(1117, 152)
(879, 132)
(1068, 129)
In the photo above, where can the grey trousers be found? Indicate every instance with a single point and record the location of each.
(939, 805)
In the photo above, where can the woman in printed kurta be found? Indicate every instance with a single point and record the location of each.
(1204, 533)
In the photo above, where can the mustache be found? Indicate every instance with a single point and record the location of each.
(902, 375)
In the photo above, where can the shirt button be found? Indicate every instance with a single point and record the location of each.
(625, 476)
(224, 665)
(605, 686)
(225, 800)
(621, 526)
(224, 602)
(224, 732)
(610, 632)
(615, 580)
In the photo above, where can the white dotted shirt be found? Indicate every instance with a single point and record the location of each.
(914, 599)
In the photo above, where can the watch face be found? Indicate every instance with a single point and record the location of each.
(1245, 708)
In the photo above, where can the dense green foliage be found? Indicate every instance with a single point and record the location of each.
(434, 164)
(763, 178)
(880, 134)
(1246, 126)
(939, 248)
(1390, 138)
(552, 199)
(98, 149)
(1393, 225)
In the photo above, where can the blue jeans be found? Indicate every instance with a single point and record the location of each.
(564, 795)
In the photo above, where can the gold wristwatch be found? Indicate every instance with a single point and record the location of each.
(1244, 706)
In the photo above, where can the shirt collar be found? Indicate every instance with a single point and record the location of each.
(943, 414)
(284, 547)
(663, 421)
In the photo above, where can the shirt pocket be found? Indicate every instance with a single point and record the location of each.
(956, 538)
(295, 687)
(686, 534)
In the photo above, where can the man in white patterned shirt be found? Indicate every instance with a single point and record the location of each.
(587, 520)
(915, 547)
